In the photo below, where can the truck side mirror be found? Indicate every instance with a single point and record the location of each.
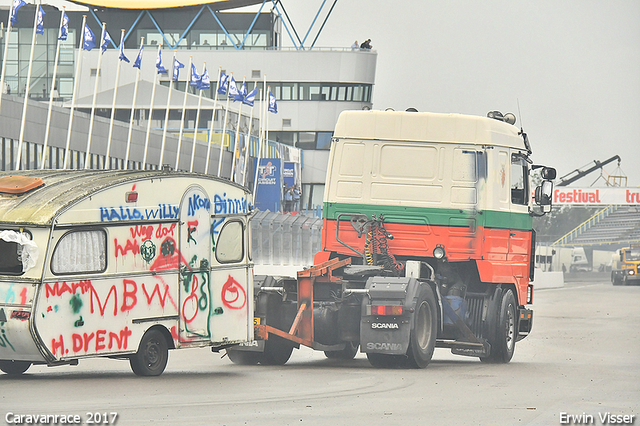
(548, 173)
(621, 256)
(543, 193)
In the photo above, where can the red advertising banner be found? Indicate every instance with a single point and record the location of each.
(596, 196)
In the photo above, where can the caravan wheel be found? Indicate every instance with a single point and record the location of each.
(152, 356)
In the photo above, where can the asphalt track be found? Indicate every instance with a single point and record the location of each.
(582, 359)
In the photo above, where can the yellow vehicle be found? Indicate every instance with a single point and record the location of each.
(626, 266)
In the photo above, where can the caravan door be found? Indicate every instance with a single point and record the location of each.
(195, 250)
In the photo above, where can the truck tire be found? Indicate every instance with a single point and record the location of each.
(277, 350)
(386, 360)
(14, 368)
(503, 342)
(152, 356)
(349, 352)
(244, 357)
(422, 340)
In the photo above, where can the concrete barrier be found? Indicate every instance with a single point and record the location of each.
(548, 279)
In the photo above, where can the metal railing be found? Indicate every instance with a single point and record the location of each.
(584, 226)
(284, 239)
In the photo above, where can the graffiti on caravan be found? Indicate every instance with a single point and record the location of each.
(224, 205)
(163, 211)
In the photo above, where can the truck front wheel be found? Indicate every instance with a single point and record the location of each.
(422, 341)
(503, 343)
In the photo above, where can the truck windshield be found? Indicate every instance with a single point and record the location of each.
(633, 255)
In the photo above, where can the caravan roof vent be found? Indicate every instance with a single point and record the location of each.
(19, 184)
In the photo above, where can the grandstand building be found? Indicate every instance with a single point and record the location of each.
(312, 84)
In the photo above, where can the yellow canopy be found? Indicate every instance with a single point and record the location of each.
(166, 4)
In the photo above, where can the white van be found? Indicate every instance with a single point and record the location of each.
(123, 264)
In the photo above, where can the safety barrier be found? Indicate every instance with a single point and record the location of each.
(285, 239)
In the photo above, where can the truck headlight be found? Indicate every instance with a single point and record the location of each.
(438, 252)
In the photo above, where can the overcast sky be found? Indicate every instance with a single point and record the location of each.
(573, 66)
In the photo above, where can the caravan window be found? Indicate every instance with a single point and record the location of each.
(230, 246)
(80, 252)
(12, 252)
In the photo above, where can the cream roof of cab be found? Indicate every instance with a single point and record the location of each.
(64, 188)
(427, 127)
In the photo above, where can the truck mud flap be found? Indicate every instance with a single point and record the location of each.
(252, 346)
(384, 336)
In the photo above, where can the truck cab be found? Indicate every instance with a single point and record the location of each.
(427, 242)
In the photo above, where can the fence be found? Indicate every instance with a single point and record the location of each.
(285, 239)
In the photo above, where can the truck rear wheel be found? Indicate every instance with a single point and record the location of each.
(386, 360)
(152, 356)
(14, 368)
(503, 343)
(349, 352)
(244, 357)
(422, 341)
(277, 351)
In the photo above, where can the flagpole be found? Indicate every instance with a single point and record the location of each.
(153, 97)
(224, 126)
(232, 177)
(266, 137)
(53, 85)
(75, 90)
(195, 127)
(248, 143)
(107, 162)
(166, 115)
(184, 106)
(213, 120)
(6, 52)
(95, 95)
(133, 106)
(26, 90)
(255, 181)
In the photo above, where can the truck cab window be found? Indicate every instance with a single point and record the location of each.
(80, 252)
(519, 180)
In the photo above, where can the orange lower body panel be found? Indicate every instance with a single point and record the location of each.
(502, 255)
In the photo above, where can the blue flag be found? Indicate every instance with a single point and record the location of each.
(251, 97)
(233, 90)
(195, 78)
(222, 86)
(159, 62)
(273, 106)
(122, 57)
(138, 61)
(17, 4)
(40, 22)
(241, 93)
(64, 28)
(204, 80)
(105, 41)
(89, 39)
(176, 69)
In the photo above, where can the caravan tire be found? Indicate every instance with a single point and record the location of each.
(14, 368)
(152, 356)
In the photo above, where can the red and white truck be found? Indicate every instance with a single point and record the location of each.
(427, 242)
